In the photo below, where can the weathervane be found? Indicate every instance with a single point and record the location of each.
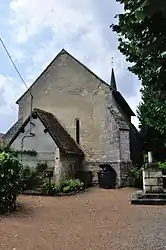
(112, 62)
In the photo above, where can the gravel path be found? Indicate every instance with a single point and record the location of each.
(97, 220)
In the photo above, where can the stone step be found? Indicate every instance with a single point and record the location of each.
(148, 201)
(155, 196)
(141, 198)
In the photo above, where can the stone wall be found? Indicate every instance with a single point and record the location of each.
(121, 168)
(69, 164)
(41, 157)
(152, 180)
(124, 173)
(124, 145)
(69, 91)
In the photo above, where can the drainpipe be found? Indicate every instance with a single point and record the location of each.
(31, 107)
(22, 142)
(30, 128)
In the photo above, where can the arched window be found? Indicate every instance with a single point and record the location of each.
(77, 123)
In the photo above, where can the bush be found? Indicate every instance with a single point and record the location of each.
(10, 169)
(49, 187)
(162, 165)
(41, 167)
(4, 149)
(72, 185)
(30, 179)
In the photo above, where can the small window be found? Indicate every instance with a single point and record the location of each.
(77, 121)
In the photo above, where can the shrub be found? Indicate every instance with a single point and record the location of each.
(49, 187)
(4, 149)
(162, 165)
(10, 169)
(30, 178)
(41, 167)
(72, 185)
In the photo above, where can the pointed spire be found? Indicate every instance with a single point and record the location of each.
(113, 81)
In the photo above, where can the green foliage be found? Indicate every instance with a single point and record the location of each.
(142, 39)
(6, 149)
(162, 165)
(41, 167)
(153, 141)
(30, 179)
(27, 152)
(10, 169)
(49, 187)
(72, 185)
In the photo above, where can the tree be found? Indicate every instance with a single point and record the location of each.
(142, 39)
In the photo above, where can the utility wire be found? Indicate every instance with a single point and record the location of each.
(13, 63)
(15, 67)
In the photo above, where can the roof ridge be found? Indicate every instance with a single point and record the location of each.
(63, 51)
(46, 112)
(61, 137)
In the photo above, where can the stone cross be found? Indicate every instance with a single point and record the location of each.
(150, 158)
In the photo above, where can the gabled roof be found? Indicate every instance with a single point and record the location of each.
(63, 51)
(122, 103)
(58, 133)
(119, 97)
(12, 131)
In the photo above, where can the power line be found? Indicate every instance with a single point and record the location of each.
(15, 67)
(13, 63)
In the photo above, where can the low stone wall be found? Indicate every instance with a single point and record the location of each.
(152, 180)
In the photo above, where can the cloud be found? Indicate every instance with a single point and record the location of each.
(9, 91)
(81, 27)
(40, 29)
(62, 17)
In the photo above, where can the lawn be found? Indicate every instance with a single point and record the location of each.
(97, 219)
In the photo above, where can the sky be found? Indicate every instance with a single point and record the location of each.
(34, 31)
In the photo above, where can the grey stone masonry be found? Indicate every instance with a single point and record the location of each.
(152, 180)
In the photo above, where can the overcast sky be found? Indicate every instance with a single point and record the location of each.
(35, 31)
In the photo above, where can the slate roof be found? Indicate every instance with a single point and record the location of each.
(1, 137)
(58, 133)
(122, 103)
(12, 131)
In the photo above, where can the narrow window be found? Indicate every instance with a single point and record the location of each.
(78, 131)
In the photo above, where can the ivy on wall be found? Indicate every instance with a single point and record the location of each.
(27, 152)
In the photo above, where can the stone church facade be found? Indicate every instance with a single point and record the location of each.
(92, 112)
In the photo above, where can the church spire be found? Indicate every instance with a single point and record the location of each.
(113, 81)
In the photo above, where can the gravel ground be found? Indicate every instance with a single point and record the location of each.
(97, 220)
